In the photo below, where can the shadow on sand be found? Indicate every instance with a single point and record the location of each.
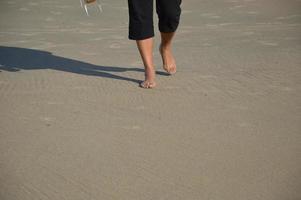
(14, 59)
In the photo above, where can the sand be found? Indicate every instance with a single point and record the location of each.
(75, 124)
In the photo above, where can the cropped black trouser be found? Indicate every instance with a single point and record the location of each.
(141, 17)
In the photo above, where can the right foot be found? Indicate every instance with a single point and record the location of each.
(147, 84)
(149, 79)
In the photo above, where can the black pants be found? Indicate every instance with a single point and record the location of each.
(141, 17)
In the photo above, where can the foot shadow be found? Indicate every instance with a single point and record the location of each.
(14, 59)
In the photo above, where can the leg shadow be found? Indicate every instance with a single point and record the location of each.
(14, 59)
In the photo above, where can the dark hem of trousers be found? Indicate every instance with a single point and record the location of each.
(137, 31)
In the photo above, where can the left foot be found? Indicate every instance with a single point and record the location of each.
(169, 63)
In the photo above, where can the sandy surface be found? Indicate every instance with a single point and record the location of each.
(76, 126)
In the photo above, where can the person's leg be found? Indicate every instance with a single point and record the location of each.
(146, 51)
(141, 29)
(169, 63)
(169, 12)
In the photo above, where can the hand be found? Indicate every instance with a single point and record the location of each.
(90, 1)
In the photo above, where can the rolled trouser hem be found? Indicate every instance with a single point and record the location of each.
(140, 31)
(168, 30)
(168, 26)
(140, 37)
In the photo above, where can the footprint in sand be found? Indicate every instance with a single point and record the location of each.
(134, 127)
(21, 41)
(115, 46)
(206, 44)
(24, 9)
(286, 89)
(236, 7)
(29, 34)
(55, 12)
(85, 31)
(140, 108)
(208, 77)
(65, 6)
(252, 12)
(212, 25)
(11, 2)
(207, 14)
(118, 37)
(266, 43)
(290, 38)
(96, 39)
(87, 23)
(229, 23)
(49, 19)
(54, 103)
(243, 124)
(215, 17)
(248, 33)
(33, 4)
(288, 17)
(47, 119)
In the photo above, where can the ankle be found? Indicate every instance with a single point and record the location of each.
(150, 72)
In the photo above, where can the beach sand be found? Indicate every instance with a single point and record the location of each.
(75, 125)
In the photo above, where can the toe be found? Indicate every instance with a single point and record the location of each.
(170, 70)
(173, 70)
(147, 84)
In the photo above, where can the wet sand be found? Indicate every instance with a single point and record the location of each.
(74, 123)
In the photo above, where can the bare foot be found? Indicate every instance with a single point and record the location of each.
(169, 63)
(149, 81)
(147, 84)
